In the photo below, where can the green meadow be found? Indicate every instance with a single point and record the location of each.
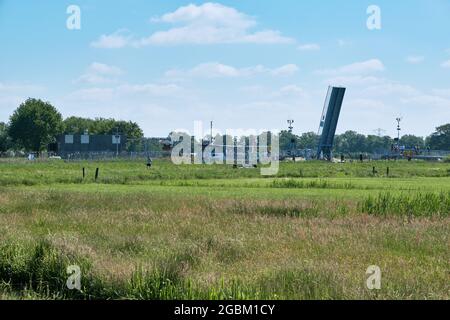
(217, 232)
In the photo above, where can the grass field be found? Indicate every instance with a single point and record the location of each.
(214, 232)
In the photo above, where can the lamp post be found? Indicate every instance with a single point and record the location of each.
(290, 122)
(398, 130)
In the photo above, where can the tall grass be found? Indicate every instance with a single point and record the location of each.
(413, 205)
(319, 184)
(231, 235)
(40, 271)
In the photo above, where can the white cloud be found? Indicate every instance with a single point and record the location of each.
(208, 13)
(211, 70)
(370, 104)
(99, 73)
(209, 23)
(8, 88)
(427, 100)
(353, 80)
(309, 47)
(286, 70)
(358, 68)
(415, 59)
(149, 89)
(389, 88)
(441, 92)
(105, 69)
(253, 89)
(219, 70)
(118, 39)
(127, 91)
(292, 90)
(92, 94)
(445, 64)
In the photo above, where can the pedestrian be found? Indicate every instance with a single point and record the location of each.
(149, 162)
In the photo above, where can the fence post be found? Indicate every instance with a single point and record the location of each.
(96, 174)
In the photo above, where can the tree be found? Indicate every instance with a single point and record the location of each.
(34, 125)
(411, 141)
(288, 140)
(308, 140)
(77, 125)
(350, 141)
(440, 140)
(4, 138)
(376, 144)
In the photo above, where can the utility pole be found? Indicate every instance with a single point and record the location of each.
(398, 130)
(290, 122)
(293, 142)
(211, 132)
(379, 132)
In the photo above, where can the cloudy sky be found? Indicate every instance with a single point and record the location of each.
(249, 64)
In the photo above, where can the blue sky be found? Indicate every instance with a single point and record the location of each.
(244, 64)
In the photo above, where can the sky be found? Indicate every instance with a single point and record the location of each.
(249, 64)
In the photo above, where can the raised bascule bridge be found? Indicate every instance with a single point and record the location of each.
(329, 121)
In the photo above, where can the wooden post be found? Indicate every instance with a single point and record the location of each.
(387, 171)
(96, 174)
(84, 173)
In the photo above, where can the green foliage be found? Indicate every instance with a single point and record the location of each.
(34, 125)
(166, 234)
(440, 140)
(352, 142)
(5, 143)
(412, 205)
(308, 140)
(164, 172)
(411, 141)
(76, 125)
(289, 140)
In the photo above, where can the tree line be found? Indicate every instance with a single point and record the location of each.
(353, 142)
(35, 124)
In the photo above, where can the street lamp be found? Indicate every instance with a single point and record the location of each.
(290, 122)
(398, 129)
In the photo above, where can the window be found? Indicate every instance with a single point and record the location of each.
(85, 139)
(68, 139)
(116, 139)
